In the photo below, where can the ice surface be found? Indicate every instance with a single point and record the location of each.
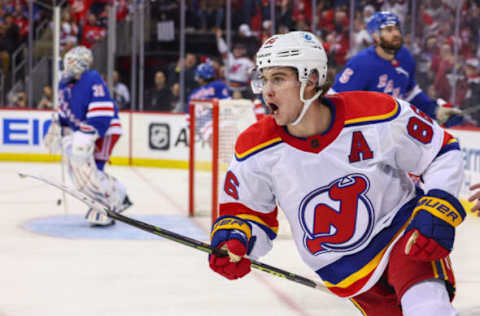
(52, 264)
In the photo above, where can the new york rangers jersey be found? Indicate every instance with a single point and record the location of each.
(369, 72)
(346, 193)
(215, 89)
(86, 105)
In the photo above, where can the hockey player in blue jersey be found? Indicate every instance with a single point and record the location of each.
(87, 126)
(389, 67)
(209, 87)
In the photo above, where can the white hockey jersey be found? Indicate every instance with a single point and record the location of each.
(238, 69)
(346, 193)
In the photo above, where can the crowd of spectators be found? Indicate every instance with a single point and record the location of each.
(83, 22)
(441, 72)
(433, 47)
(13, 30)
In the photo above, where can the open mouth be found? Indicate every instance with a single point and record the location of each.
(273, 107)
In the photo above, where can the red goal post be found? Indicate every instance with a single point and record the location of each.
(214, 127)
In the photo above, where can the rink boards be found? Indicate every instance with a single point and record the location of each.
(156, 140)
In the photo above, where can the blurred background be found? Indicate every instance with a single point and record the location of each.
(147, 51)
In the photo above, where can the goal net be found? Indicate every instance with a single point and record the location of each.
(214, 127)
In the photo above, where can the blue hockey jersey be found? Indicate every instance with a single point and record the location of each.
(215, 89)
(369, 72)
(86, 105)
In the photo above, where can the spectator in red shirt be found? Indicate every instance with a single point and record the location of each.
(92, 32)
(80, 9)
(443, 66)
(337, 42)
(302, 12)
(68, 32)
(122, 9)
(20, 20)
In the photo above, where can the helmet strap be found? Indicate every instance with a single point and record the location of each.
(306, 103)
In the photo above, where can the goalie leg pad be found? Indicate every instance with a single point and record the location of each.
(98, 184)
(87, 178)
(97, 218)
(116, 191)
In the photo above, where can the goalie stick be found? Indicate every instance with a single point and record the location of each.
(187, 241)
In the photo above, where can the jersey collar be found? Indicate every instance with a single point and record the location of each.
(317, 143)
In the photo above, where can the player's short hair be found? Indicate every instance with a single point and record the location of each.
(326, 85)
(76, 61)
(380, 20)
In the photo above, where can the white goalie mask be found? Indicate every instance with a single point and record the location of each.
(76, 61)
(300, 50)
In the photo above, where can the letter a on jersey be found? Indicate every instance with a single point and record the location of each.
(360, 149)
(338, 217)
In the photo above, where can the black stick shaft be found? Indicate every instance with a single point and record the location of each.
(187, 241)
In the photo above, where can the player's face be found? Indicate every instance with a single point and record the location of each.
(281, 92)
(391, 38)
(239, 52)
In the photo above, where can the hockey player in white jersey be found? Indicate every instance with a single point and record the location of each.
(88, 127)
(389, 67)
(338, 168)
(238, 64)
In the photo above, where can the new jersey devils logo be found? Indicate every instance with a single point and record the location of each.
(338, 217)
(270, 41)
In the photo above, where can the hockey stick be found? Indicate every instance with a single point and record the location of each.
(187, 241)
(53, 121)
(472, 109)
(467, 114)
